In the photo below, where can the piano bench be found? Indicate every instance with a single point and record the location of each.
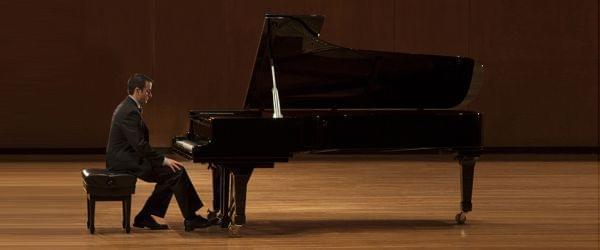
(104, 185)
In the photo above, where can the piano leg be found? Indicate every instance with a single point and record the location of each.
(223, 195)
(231, 183)
(216, 181)
(237, 198)
(467, 164)
(240, 184)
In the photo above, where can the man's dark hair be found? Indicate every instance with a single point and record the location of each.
(137, 81)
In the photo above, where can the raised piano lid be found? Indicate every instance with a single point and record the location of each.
(314, 74)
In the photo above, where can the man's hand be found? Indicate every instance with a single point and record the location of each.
(173, 164)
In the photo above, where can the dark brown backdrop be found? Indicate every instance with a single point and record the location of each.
(63, 63)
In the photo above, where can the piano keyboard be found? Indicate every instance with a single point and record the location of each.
(186, 144)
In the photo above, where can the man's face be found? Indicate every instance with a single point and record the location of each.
(145, 94)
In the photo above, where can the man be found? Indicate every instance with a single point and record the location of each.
(129, 151)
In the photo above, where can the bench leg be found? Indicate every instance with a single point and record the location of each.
(127, 213)
(92, 213)
(123, 222)
(87, 203)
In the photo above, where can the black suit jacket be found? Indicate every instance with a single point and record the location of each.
(128, 148)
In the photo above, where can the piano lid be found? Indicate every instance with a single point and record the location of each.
(314, 74)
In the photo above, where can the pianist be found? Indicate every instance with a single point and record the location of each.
(129, 151)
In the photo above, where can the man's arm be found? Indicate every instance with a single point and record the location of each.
(130, 127)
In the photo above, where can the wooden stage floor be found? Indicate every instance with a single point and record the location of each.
(313, 202)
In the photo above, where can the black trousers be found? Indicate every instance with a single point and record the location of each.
(169, 183)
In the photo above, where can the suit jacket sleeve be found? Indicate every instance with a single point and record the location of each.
(134, 132)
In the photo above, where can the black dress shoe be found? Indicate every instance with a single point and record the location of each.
(149, 222)
(198, 222)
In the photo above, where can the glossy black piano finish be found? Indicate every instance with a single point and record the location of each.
(251, 135)
(315, 74)
(334, 99)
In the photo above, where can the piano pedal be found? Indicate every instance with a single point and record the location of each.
(461, 218)
(234, 230)
(211, 215)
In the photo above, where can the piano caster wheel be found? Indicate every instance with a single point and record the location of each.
(127, 229)
(234, 230)
(92, 229)
(461, 218)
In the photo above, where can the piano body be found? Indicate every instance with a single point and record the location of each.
(333, 99)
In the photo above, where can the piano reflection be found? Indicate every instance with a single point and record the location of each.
(306, 94)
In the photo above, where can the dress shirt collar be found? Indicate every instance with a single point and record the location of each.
(136, 102)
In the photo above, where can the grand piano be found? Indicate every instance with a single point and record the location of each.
(308, 95)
